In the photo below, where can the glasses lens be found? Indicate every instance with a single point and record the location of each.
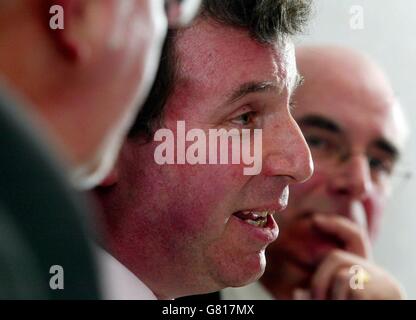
(401, 177)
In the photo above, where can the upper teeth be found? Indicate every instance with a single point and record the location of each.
(259, 214)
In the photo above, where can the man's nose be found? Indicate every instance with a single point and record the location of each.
(286, 153)
(353, 179)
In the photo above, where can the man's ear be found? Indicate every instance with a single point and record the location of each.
(73, 34)
(111, 179)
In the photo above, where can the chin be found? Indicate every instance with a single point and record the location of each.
(245, 271)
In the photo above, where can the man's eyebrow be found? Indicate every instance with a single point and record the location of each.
(320, 122)
(252, 87)
(388, 147)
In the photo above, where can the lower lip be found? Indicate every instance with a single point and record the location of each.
(264, 235)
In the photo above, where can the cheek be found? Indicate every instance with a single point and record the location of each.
(204, 197)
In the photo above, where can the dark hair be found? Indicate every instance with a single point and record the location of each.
(267, 21)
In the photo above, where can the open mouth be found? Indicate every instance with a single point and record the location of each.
(258, 219)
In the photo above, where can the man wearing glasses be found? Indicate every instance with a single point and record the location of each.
(355, 130)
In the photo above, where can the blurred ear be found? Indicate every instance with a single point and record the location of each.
(81, 20)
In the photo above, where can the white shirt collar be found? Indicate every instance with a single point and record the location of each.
(119, 283)
(253, 291)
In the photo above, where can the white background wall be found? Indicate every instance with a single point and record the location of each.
(389, 36)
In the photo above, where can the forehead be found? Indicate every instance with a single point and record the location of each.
(361, 103)
(216, 58)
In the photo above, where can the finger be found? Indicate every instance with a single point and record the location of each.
(321, 280)
(358, 215)
(355, 239)
(341, 285)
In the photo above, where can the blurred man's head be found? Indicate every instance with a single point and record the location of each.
(187, 229)
(355, 130)
(85, 82)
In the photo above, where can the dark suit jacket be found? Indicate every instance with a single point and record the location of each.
(42, 220)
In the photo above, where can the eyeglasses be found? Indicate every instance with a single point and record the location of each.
(181, 12)
(331, 151)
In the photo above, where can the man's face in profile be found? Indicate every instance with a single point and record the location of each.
(352, 124)
(176, 225)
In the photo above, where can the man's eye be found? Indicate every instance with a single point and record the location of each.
(379, 165)
(245, 119)
(316, 142)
